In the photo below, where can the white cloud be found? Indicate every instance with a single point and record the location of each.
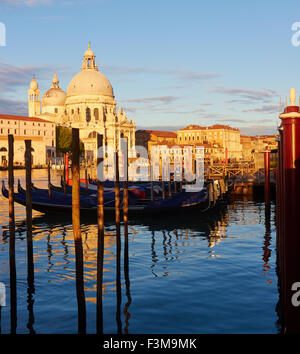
(27, 2)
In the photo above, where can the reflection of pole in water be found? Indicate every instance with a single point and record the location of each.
(267, 239)
(153, 253)
(126, 276)
(49, 251)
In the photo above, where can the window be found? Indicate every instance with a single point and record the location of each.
(8, 122)
(39, 132)
(24, 123)
(15, 123)
(15, 131)
(72, 111)
(88, 115)
(1, 131)
(8, 131)
(24, 131)
(96, 114)
(55, 110)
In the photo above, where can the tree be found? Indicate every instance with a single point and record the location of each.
(64, 140)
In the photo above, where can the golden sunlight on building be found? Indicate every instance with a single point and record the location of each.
(40, 131)
(89, 104)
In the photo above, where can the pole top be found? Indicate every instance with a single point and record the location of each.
(292, 96)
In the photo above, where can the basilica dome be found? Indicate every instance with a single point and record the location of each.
(90, 82)
(55, 96)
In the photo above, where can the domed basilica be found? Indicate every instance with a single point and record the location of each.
(89, 105)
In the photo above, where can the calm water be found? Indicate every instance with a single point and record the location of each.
(199, 273)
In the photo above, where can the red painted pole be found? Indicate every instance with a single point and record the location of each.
(67, 168)
(290, 228)
(267, 176)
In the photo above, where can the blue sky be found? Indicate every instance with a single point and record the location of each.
(171, 62)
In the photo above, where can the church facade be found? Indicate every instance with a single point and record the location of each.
(89, 104)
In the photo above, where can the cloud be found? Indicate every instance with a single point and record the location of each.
(162, 99)
(33, 3)
(28, 2)
(258, 130)
(10, 106)
(246, 94)
(185, 75)
(161, 127)
(264, 109)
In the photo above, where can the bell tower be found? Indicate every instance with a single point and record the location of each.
(34, 100)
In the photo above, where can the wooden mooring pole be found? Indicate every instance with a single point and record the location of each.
(124, 148)
(49, 175)
(77, 232)
(64, 176)
(12, 249)
(288, 227)
(67, 168)
(118, 244)
(267, 175)
(29, 208)
(30, 264)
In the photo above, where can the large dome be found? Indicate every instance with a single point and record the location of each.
(54, 97)
(90, 82)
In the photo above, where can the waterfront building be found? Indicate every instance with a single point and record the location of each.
(40, 131)
(88, 104)
(149, 138)
(224, 139)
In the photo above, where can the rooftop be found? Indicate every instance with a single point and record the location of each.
(160, 133)
(30, 119)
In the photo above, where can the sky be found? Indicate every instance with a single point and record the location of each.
(171, 62)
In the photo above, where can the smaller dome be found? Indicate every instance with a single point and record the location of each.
(54, 97)
(33, 84)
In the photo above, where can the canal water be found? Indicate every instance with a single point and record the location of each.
(197, 273)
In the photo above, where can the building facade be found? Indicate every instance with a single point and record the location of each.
(225, 140)
(89, 104)
(149, 138)
(40, 131)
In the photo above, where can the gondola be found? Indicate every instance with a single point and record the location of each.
(60, 202)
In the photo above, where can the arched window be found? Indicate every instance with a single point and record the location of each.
(88, 114)
(96, 113)
(92, 135)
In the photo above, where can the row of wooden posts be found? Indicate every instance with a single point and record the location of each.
(76, 230)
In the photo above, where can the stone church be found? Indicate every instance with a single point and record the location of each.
(89, 104)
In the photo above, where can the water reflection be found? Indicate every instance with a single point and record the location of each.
(267, 242)
(156, 244)
(118, 279)
(127, 279)
(80, 287)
